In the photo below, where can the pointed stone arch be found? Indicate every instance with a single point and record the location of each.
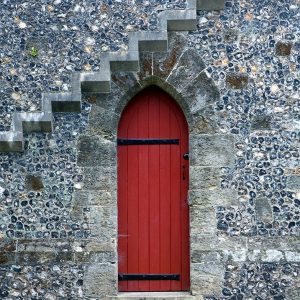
(181, 73)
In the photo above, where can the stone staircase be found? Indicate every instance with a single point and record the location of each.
(99, 82)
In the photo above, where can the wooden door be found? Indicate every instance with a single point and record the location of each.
(153, 214)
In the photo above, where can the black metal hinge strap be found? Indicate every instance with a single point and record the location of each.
(123, 277)
(127, 142)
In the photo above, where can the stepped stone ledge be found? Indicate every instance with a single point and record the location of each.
(99, 82)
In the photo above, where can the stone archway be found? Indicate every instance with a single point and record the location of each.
(181, 73)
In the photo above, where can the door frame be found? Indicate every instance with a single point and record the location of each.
(101, 181)
(180, 118)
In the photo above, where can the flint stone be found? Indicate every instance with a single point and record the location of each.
(212, 150)
(189, 66)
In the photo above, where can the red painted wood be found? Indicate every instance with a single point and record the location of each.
(153, 214)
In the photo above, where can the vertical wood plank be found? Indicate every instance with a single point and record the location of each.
(143, 195)
(154, 179)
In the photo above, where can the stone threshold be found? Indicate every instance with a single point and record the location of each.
(155, 296)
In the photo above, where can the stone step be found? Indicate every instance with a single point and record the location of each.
(156, 296)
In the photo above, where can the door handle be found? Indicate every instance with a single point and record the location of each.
(183, 173)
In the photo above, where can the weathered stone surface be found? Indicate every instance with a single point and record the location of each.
(198, 256)
(204, 178)
(237, 80)
(263, 210)
(261, 123)
(163, 63)
(95, 151)
(283, 48)
(79, 202)
(146, 65)
(33, 183)
(99, 178)
(189, 66)
(293, 256)
(207, 285)
(293, 182)
(203, 220)
(100, 280)
(212, 150)
(204, 124)
(212, 198)
(101, 122)
(125, 80)
(103, 223)
(103, 198)
(272, 255)
(200, 92)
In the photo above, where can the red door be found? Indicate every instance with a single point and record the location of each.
(153, 214)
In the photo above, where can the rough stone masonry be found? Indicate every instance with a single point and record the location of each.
(236, 77)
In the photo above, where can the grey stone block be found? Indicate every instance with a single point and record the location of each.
(198, 256)
(201, 92)
(122, 61)
(293, 182)
(99, 178)
(178, 20)
(61, 102)
(100, 280)
(103, 198)
(212, 150)
(95, 151)
(146, 65)
(213, 197)
(204, 178)
(163, 63)
(149, 41)
(207, 285)
(189, 66)
(101, 122)
(263, 210)
(11, 141)
(203, 220)
(96, 82)
(210, 4)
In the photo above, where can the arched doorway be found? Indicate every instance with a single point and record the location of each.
(153, 177)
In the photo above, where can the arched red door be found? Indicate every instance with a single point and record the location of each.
(153, 213)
